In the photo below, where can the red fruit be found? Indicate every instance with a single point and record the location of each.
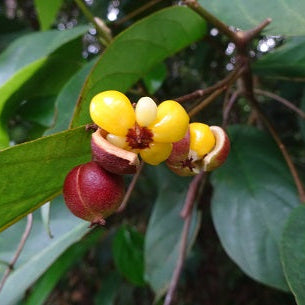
(92, 193)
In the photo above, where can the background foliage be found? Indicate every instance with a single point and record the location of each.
(246, 242)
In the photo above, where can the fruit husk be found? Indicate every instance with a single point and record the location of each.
(112, 158)
(220, 152)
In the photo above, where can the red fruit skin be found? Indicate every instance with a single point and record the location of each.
(177, 161)
(219, 154)
(92, 193)
(180, 150)
(114, 159)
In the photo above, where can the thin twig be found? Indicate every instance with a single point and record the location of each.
(130, 188)
(186, 214)
(192, 193)
(18, 251)
(206, 101)
(281, 100)
(251, 34)
(101, 28)
(229, 79)
(228, 107)
(249, 94)
(238, 37)
(136, 12)
(180, 261)
(285, 153)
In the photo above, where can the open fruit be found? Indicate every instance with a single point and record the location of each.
(111, 157)
(202, 149)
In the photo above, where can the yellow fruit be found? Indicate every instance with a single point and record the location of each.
(146, 111)
(112, 111)
(116, 140)
(156, 153)
(202, 140)
(171, 123)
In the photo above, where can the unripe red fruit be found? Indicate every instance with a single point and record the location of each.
(92, 193)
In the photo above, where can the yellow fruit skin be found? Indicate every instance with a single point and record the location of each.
(112, 111)
(202, 139)
(156, 153)
(171, 123)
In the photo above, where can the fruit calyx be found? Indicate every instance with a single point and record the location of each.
(139, 137)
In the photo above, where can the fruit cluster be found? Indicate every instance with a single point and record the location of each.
(160, 133)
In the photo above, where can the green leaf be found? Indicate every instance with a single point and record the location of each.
(154, 79)
(67, 98)
(253, 196)
(45, 284)
(127, 249)
(32, 173)
(137, 50)
(40, 251)
(109, 290)
(47, 11)
(38, 101)
(10, 87)
(23, 58)
(302, 122)
(285, 62)
(287, 17)
(293, 253)
(162, 240)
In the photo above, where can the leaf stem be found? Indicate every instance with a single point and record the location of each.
(18, 251)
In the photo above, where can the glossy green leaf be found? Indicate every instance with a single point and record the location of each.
(287, 16)
(128, 254)
(40, 251)
(162, 240)
(285, 62)
(32, 173)
(293, 253)
(154, 78)
(137, 50)
(45, 284)
(23, 58)
(47, 11)
(253, 196)
(67, 98)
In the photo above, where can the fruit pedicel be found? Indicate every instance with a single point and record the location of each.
(156, 133)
